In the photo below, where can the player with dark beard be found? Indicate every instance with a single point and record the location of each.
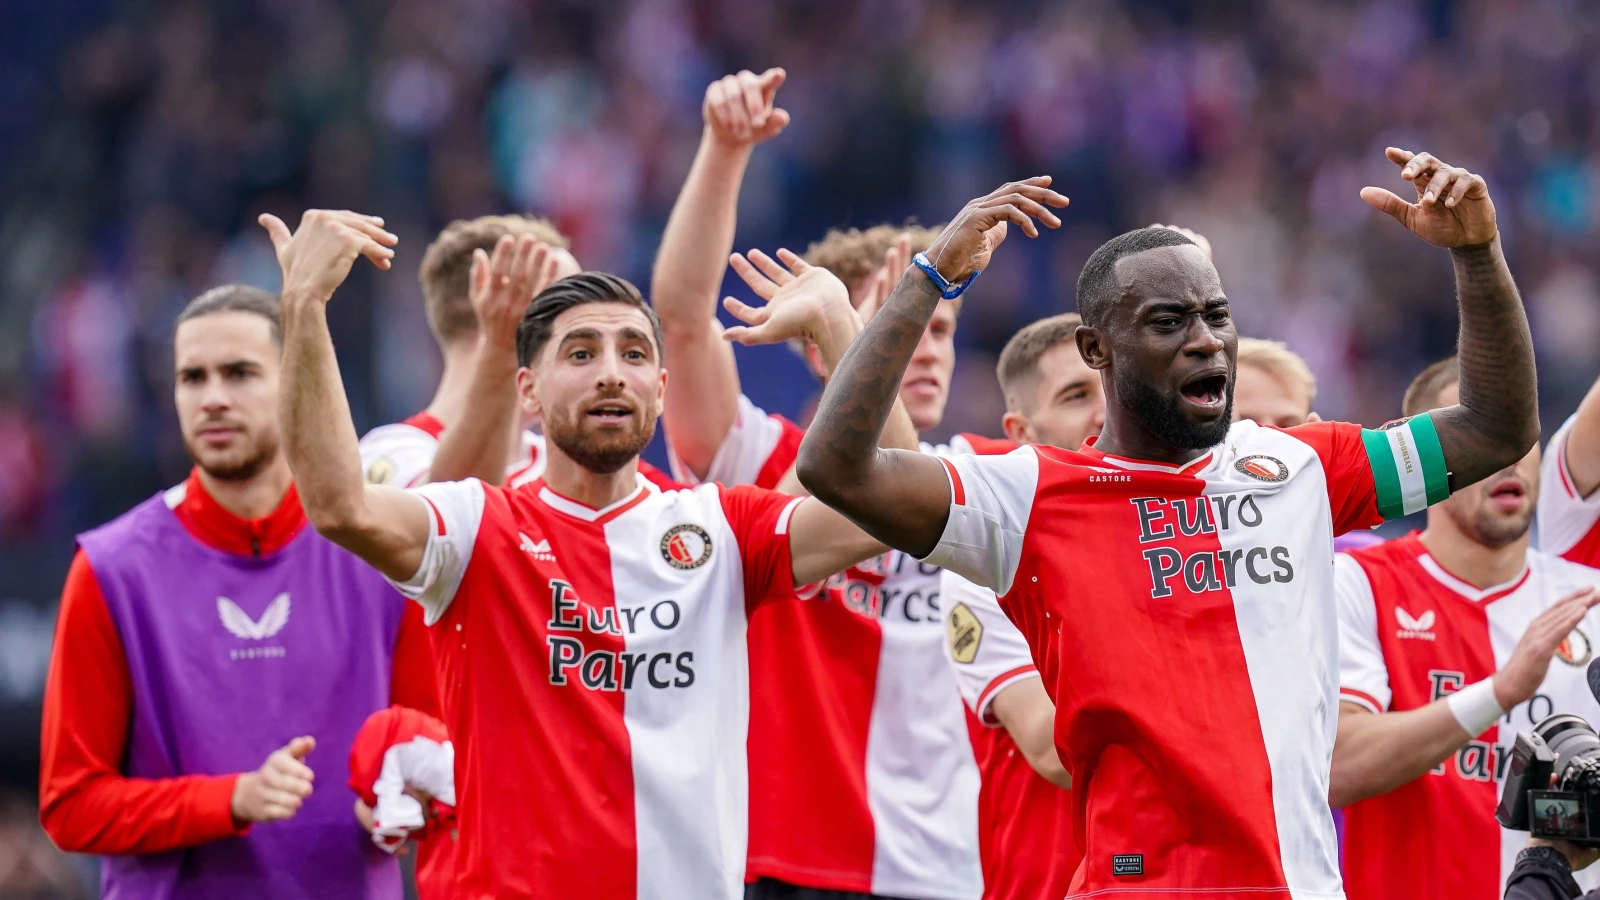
(1183, 566)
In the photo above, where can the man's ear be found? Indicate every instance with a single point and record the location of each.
(1017, 427)
(1092, 347)
(661, 394)
(528, 393)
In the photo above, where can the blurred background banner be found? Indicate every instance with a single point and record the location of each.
(139, 141)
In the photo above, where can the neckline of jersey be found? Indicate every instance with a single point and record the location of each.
(1480, 596)
(1146, 465)
(427, 423)
(643, 487)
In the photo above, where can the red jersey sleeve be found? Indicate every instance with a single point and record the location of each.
(1352, 492)
(412, 681)
(85, 803)
(759, 520)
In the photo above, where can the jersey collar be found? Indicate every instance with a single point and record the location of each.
(208, 522)
(642, 489)
(426, 422)
(1144, 465)
(1481, 596)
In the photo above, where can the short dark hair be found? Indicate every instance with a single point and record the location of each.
(1020, 358)
(237, 298)
(1423, 394)
(1097, 282)
(576, 290)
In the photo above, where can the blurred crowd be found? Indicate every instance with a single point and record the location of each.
(143, 139)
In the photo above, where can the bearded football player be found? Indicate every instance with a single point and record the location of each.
(1451, 640)
(599, 720)
(1179, 568)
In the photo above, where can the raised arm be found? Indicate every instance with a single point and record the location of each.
(501, 289)
(1497, 420)
(703, 392)
(903, 498)
(385, 526)
(1582, 449)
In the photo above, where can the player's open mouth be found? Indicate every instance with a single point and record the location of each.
(1206, 391)
(923, 385)
(1507, 494)
(610, 413)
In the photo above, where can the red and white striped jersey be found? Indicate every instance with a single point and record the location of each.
(401, 454)
(601, 695)
(862, 776)
(1569, 524)
(1025, 837)
(1185, 619)
(1409, 634)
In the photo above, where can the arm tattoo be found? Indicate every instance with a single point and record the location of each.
(841, 447)
(1497, 419)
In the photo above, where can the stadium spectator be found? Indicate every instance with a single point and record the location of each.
(614, 692)
(1447, 642)
(1025, 832)
(862, 780)
(1545, 869)
(198, 643)
(1252, 657)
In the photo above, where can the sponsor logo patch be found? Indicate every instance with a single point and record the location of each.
(1127, 864)
(1415, 627)
(1576, 649)
(539, 549)
(965, 632)
(686, 546)
(1263, 468)
(381, 470)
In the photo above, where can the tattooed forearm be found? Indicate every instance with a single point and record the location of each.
(841, 446)
(1497, 419)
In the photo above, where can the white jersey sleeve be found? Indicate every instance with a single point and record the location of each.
(398, 455)
(455, 512)
(1363, 673)
(1565, 518)
(991, 498)
(744, 451)
(986, 651)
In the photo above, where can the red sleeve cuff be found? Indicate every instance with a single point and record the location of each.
(213, 810)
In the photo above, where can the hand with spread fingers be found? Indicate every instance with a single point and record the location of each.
(895, 261)
(501, 286)
(803, 301)
(317, 257)
(1530, 659)
(969, 241)
(738, 108)
(1453, 208)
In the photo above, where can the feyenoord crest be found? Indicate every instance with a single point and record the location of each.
(965, 633)
(1576, 649)
(1263, 468)
(686, 546)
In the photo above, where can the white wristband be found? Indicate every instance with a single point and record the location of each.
(1475, 706)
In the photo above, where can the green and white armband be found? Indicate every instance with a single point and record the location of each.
(1407, 466)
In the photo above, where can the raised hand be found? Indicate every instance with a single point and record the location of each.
(317, 258)
(1453, 208)
(738, 108)
(803, 301)
(969, 241)
(276, 790)
(878, 286)
(1522, 674)
(502, 286)
(1198, 238)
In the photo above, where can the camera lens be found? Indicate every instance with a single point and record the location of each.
(1576, 748)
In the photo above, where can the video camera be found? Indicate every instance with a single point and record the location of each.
(1567, 807)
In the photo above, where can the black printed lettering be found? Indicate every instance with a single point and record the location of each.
(600, 670)
(1230, 564)
(1200, 573)
(1535, 703)
(560, 606)
(1445, 682)
(1250, 563)
(905, 608)
(1249, 503)
(1151, 510)
(631, 613)
(607, 623)
(1224, 504)
(1164, 562)
(651, 674)
(682, 664)
(656, 614)
(1201, 523)
(1472, 761)
(629, 663)
(564, 654)
(1280, 558)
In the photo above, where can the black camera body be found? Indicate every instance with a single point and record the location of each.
(1552, 786)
